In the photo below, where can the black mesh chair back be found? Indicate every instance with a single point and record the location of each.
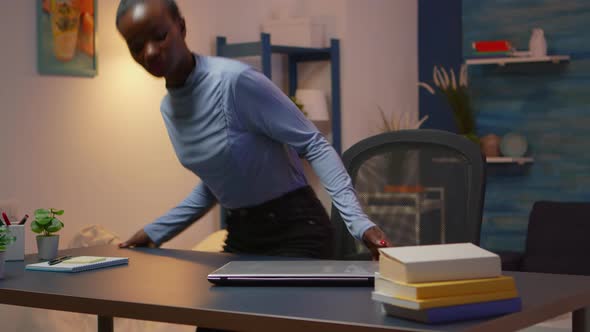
(420, 186)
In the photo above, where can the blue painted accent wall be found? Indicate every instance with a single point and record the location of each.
(439, 43)
(549, 104)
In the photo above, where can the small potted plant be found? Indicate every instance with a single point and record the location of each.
(46, 223)
(5, 240)
(454, 88)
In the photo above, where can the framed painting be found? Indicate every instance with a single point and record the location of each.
(66, 43)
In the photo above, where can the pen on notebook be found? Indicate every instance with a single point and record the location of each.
(59, 260)
(23, 220)
(6, 220)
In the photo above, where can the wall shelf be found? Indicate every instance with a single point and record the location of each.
(295, 55)
(509, 160)
(502, 61)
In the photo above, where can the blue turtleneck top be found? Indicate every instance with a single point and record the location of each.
(235, 129)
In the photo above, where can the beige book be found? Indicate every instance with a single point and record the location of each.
(439, 262)
(428, 290)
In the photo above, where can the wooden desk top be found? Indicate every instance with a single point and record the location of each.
(171, 286)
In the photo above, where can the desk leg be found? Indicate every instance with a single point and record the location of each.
(105, 324)
(581, 320)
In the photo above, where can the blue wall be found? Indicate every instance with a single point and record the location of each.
(547, 103)
(439, 43)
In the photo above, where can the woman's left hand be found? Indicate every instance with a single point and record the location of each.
(374, 238)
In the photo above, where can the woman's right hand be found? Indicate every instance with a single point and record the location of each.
(139, 239)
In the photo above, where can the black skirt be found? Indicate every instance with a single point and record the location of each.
(294, 225)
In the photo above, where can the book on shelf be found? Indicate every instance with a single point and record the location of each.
(479, 55)
(446, 301)
(428, 290)
(491, 46)
(457, 312)
(438, 262)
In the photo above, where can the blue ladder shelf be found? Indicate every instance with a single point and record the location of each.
(295, 55)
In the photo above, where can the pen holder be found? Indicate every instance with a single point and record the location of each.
(16, 251)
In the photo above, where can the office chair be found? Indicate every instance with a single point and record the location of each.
(421, 186)
(556, 242)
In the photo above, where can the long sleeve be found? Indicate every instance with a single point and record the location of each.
(265, 109)
(177, 219)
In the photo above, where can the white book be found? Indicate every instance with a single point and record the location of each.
(439, 262)
(78, 264)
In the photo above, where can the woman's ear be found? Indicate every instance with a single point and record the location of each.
(182, 27)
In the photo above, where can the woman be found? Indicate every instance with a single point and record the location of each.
(243, 137)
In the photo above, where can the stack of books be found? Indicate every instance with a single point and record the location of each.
(443, 283)
(492, 48)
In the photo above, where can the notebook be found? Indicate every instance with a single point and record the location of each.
(78, 264)
(298, 272)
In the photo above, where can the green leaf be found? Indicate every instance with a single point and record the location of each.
(54, 226)
(57, 212)
(7, 240)
(36, 228)
(41, 213)
(44, 221)
(2, 248)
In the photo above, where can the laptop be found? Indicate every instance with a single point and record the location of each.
(296, 273)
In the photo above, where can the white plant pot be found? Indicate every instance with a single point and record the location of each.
(2, 260)
(47, 246)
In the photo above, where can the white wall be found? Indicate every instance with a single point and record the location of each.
(98, 148)
(381, 64)
(94, 147)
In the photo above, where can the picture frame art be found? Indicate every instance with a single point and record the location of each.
(66, 37)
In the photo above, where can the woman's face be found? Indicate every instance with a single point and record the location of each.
(154, 38)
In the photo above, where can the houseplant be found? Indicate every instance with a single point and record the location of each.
(454, 89)
(5, 240)
(399, 121)
(46, 223)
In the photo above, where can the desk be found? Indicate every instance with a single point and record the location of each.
(171, 286)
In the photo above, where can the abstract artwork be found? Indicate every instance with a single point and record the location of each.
(66, 37)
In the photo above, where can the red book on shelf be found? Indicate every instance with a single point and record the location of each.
(491, 46)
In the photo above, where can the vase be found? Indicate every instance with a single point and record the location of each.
(537, 43)
(513, 145)
(490, 145)
(47, 246)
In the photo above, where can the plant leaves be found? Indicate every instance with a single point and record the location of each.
(55, 225)
(57, 212)
(36, 228)
(42, 213)
(44, 221)
(5, 238)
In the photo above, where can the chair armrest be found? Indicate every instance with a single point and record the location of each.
(511, 260)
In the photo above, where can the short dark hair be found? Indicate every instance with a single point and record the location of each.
(125, 5)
